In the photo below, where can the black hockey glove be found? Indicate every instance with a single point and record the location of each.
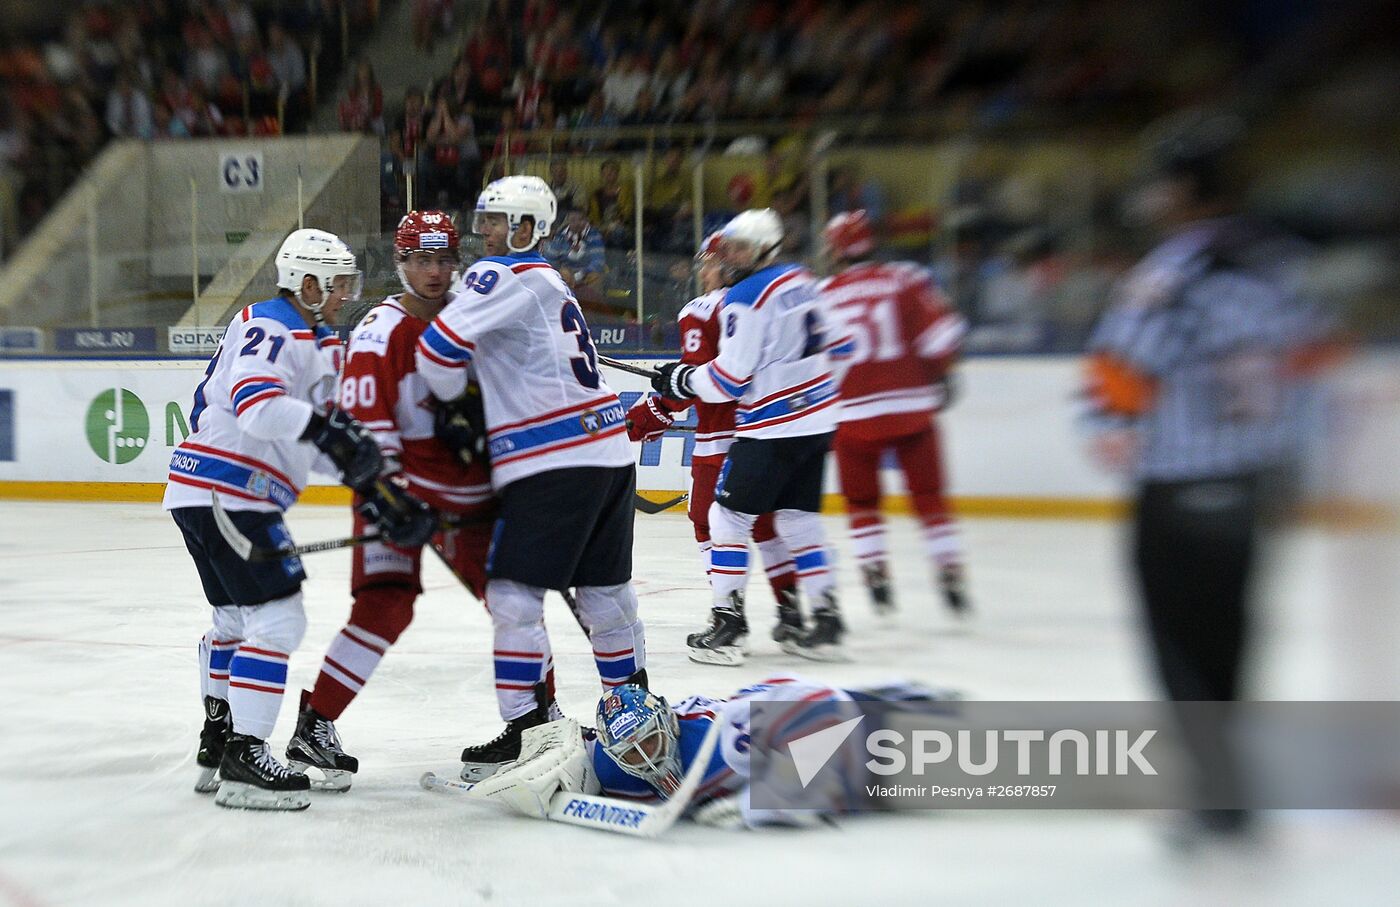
(349, 445)
(402, 519)
(672, 381)
(461, 425)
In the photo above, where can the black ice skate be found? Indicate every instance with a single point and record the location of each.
(725, 640)
(877, 583)
(212, 739)
(315, 744)
(951, 581)
(789, 627)
(483, 760)
(254, 779)
(822, 641)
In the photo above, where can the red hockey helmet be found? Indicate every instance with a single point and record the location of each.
(426, 231)
(429, 234)
(849, 235)
(709, 246)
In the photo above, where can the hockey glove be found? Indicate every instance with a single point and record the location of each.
(349, 445)
(461, 425)
(672, 381)
(552, 758)
(647, 420)
(402, 519)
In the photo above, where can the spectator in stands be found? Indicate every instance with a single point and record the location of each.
(667, 205)
(489, 56)
(129, 110)
(567, 190)
(205, 63)
(510, 141)
(595, 116)
(409, 129)
(644, 114)
(362, 107)
(14, 148)
(460, 86)
(849, 192)
(455, 159)
(610, 206)
(668, 81)
(576, 250)
(427, 18)
(289, 66)
(625, 80)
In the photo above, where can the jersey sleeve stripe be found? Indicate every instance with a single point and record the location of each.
(942, 337)
(733, 379)
(260, 379)
(249, 402)
(440, 350)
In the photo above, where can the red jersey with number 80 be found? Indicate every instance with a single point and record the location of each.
(904, 337)
(380, 386)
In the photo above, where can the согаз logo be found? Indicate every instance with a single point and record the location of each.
(117, 426)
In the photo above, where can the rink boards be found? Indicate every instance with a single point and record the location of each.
(104, 431)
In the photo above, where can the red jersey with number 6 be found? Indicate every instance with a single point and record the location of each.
(714, 429)
(381, 387)
(903, 338)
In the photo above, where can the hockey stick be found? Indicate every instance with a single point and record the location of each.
(624, 817)
(245, 549)
(627, 367)
(650, 507)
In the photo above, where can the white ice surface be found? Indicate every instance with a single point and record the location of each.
(100, 613)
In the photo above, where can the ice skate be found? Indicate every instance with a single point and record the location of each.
(790, 625)
(315, 744)
(877, 583)
(212, 740)
(254, 779)
(725, 641)
(822, 641)
(953, 586)
(484, 759)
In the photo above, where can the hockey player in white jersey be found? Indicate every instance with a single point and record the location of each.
(561, 463)
(773, 360)
(643, 748)
(268, 389)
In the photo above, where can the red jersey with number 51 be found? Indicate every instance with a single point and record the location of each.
(904, 337)
(380, 386)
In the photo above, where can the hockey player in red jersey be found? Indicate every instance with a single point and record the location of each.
(905, 339)
(380, 387)
(652, 415)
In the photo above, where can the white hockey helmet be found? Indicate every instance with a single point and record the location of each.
(750, 241)
(324, 256)
(516, 197)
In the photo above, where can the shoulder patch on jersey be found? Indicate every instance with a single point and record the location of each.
(279, 309)
(751, 289)
(374, 330)
(703, 307)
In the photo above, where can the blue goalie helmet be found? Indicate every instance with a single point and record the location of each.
(640, 732)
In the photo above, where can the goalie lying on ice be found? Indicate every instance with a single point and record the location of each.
(644, 747)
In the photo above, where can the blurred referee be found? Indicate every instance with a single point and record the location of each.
(1196, 379)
